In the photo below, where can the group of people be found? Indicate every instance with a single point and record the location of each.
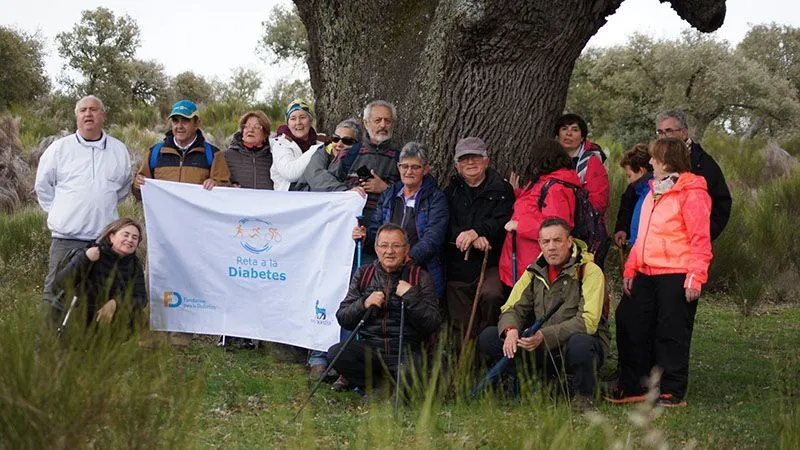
(427, 250)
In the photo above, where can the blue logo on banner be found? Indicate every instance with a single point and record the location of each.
(256, 235)
(319, 312)
(172, 299)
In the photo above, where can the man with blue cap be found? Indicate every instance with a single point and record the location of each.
(184, 155)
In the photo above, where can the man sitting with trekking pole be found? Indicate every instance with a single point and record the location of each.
(397, 302)
(576, 336)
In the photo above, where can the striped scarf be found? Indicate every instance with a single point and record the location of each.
(582, 158)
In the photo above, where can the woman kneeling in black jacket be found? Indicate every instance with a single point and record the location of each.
(107, 275)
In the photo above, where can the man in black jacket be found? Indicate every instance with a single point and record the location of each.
(672, 123)
(481, 202)
(380, 287)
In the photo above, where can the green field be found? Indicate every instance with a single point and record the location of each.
(97, 393)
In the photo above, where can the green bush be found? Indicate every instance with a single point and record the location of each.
(91, 389)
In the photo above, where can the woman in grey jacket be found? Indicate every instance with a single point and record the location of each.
(249, 157)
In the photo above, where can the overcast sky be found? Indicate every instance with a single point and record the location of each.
(211, 37)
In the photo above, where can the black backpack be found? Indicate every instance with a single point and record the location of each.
(589, 226)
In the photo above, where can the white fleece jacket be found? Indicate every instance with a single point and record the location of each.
(80, 183)
(288, 161)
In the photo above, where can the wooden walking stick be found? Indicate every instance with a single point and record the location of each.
(481, 279)
(621, 252)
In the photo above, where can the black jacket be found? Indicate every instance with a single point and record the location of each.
(381, 330)
(249, 167)
(486, 210)
(112, 276)
(705, 166)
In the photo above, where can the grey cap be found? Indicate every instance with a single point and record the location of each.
(470, 146)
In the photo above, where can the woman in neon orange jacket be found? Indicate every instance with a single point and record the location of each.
(664, 275)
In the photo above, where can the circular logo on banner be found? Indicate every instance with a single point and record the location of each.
(256, 235)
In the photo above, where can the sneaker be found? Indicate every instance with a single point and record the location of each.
(618, 397)
(341, 384)
(670, 401)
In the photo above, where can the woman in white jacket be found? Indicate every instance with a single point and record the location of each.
(293, 145)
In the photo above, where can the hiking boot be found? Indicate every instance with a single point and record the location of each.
(618, 397)
(341, 384)
(670, 401)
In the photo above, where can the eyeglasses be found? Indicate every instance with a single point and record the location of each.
(667, 131)
(384, 246)
(346, 140)
(470, 158)
(409, 167)
(255, 127)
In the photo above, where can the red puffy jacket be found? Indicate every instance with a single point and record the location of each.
(675, 233)
(560, 202)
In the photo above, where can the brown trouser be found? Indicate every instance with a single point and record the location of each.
(460, 296)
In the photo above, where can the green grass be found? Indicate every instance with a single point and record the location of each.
(743, 372)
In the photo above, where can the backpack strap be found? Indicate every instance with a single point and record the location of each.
(209, 153)
(411, 274)
(366, 277)
(154, 153)
(546, 188)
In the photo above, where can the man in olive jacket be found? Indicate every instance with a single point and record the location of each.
(576, 336)
(379, 287)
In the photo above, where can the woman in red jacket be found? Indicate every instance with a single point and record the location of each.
(548, 161)
(587, 159)
(664, 275)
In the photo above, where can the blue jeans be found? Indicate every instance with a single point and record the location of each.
(317, 357)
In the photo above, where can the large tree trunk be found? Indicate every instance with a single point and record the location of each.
(457, 68)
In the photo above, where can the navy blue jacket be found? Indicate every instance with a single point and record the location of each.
(432, 215)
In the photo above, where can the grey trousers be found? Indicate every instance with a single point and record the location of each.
(58, 248)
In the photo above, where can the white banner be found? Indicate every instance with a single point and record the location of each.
(251, 263)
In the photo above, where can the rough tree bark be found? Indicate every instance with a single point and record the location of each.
(456, 68)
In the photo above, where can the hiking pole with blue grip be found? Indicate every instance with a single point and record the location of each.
(498, 368)
(359, 244)
(514, 256)
(336, 358)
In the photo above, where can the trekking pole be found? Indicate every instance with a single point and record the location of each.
(330, 366)
(63, 325)
(498, 368)
(359, 245)
(514, 256)
(399, 355)
(621, 252)
(481, 280)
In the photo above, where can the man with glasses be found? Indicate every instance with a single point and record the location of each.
(672, 123)
(184, 155)
(381, 286)
(481, 202)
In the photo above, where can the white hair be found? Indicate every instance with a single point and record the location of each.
(374, 103)
(90, 97)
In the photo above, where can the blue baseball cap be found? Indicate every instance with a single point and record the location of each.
(184, 108)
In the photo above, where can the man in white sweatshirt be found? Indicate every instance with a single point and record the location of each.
(80, 180)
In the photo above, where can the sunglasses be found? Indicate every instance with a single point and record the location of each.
(347, 140)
